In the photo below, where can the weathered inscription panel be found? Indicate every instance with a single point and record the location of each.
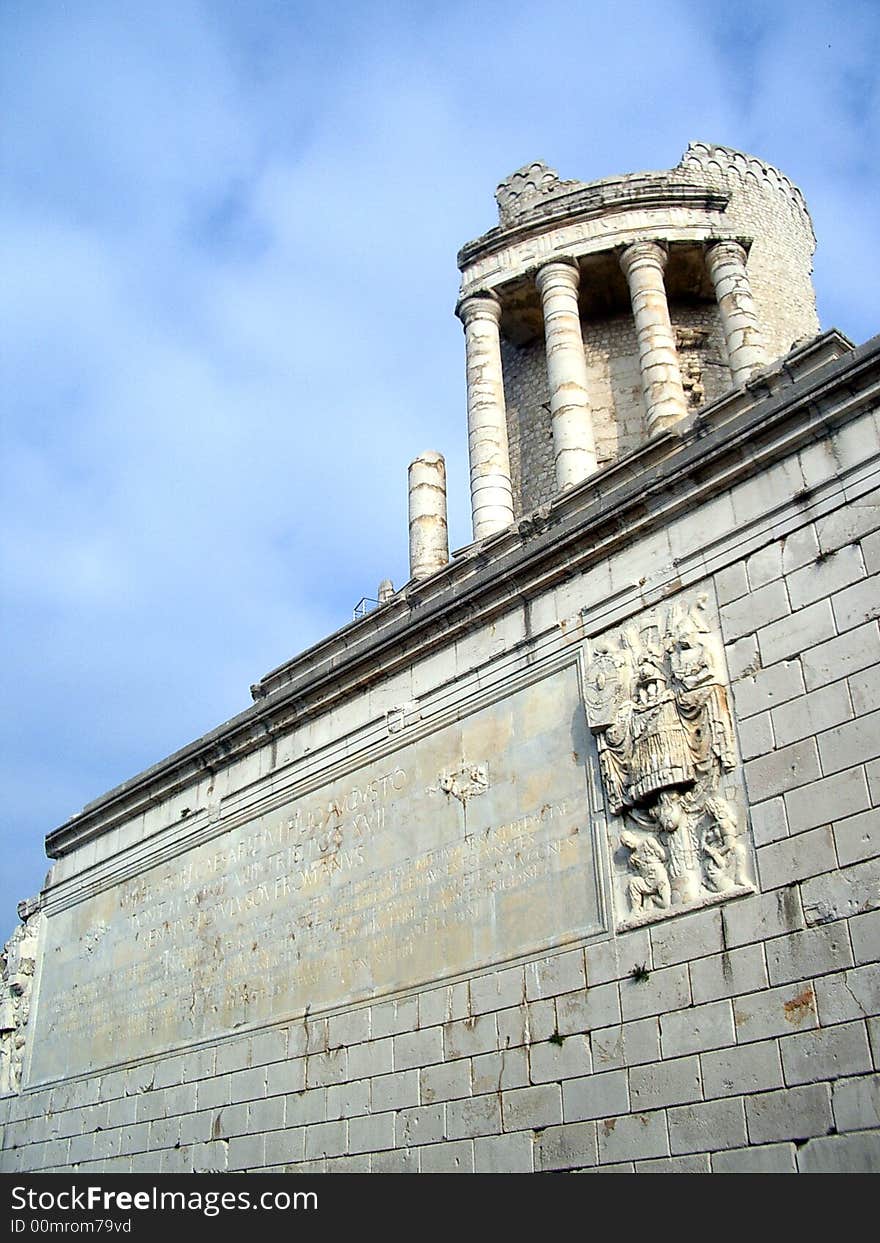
(463, 849)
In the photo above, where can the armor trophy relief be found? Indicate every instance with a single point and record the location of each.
(657, 703)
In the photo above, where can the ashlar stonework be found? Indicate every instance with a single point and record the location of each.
(566, 856)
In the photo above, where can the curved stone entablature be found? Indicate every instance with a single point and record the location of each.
(683, 284)
(587, 219)
(706, 179)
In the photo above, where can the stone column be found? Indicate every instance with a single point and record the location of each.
(726, 262)
(574, 447)
(643, 264)
(428, 538)
(491, 489)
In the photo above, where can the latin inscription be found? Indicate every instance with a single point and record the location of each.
(380, 882)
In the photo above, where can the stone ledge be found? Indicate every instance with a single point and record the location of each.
(600, 198)
(819, 385)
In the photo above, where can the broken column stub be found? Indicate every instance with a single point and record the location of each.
(428, 536)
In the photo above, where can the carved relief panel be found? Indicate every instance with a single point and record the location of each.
(658, 704)
(17, 966)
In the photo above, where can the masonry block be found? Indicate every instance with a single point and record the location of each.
(807, 854)
(839, 657)
(708, 1126)
(478, 1115)
(456, 1157)
(741, 1070)
(597, 1006)
(371, 1133)
(858, 1153)
(563, 1058)
(530, 1108)
(504, 1154)
(812, 952)
(698, 1028)
(635, 1136)
(864, 932)
(445, 1081)
(626, 1045)
(666, 989)
(566, 1147)
(760, 1159)
(674, 1082)
(829, 1053)
(785, 638)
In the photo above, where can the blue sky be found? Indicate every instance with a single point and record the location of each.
(229, 234)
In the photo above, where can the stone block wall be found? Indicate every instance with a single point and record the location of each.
(528, 425)
(615, 388)
(767, 207)
(741, 1036)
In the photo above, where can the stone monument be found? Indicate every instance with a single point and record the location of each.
(565, 856)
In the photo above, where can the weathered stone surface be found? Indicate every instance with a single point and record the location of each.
(742, 1070)
(491, 499)
(379, 920)
(388, 861)
(643, 263)
(672, 1082)
(574, 448)
(657, 702)
(633, 1136)
(826, 1054)
(707, 1127)
(726, 264)
(759, 1159)
(728, 974)
(566, 1147)
(18, 960)
(858, 1153)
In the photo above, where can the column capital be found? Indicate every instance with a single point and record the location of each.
(562, 271)
(641, 252)
(482, 305)
(726, 250)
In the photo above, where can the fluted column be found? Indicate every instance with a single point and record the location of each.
(643, 264)
(428, 538)
(574, 446)
(491, 489)
(726, 263)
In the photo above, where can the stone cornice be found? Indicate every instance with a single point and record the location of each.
(600, 198)
(819, 385)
